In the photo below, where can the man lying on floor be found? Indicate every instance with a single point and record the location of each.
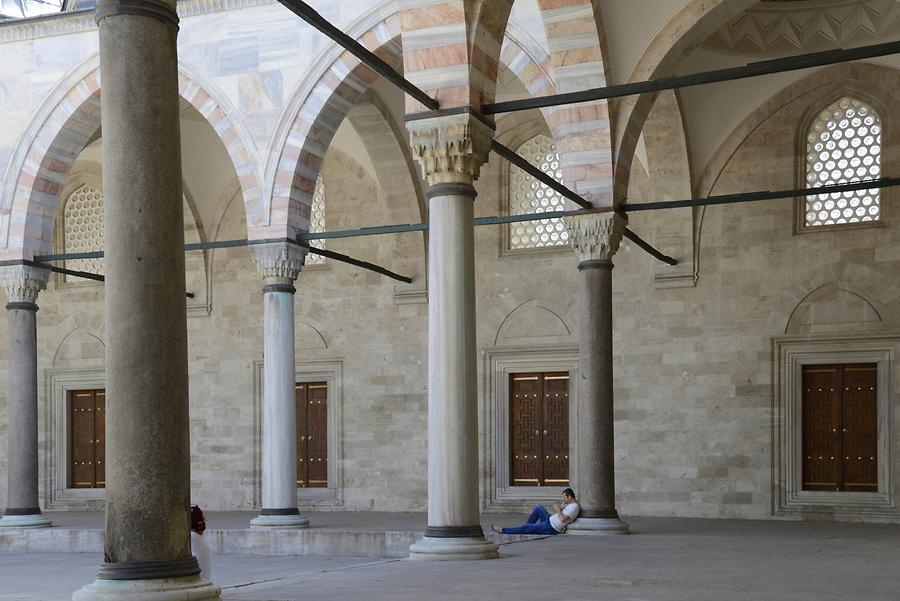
(541, 522)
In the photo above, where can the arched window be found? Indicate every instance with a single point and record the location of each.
(527, 195)
(843, 145)
(317, 222)
(83, 228)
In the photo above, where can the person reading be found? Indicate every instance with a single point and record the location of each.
(541, 522)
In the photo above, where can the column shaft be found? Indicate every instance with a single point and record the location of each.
(452, 394)
(596, 461)
(279, 473)
(147, 438)
(22, 460)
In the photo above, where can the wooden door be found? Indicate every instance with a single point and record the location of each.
(840, 427)
(539, 429)
(87, 445)
(312, 434)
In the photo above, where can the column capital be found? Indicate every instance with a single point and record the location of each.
(278, 263)
(450, 149)
(22, 283)
(596, 236)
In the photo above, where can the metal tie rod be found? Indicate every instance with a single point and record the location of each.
(725, 199)
(524, 165)
(368, 58)
(42, 261)
(755, 69)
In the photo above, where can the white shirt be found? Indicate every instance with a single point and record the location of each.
(200, 550)
(571, 511)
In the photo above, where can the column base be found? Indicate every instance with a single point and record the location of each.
(276, 522)
(453, 549)
(597, 527)
(188, 588)
(33, 520)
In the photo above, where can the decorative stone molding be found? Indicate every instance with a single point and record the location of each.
(596, 236)
(451, 148)
(806, 25)
(23, 283)
(278, 263)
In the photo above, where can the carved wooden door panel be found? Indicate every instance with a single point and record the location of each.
(525, 440)
(556, 429)
(87, 457)
(860, 428)
(312, 434)
(317, 434)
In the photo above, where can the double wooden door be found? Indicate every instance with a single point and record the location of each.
(840, 427)
(87, 441)
(539, 429)
(312, 434)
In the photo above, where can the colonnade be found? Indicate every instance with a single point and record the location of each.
(147, 548)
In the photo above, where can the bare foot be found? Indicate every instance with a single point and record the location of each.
(495, 529)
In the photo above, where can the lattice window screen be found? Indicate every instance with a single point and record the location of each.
(83, 223)
(527, 195)
(843, 145)
(317, 222)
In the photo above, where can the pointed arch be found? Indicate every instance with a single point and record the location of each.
(65, 124)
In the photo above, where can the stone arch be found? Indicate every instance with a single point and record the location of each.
(677, 39)
(68, 121)
(534, 321)
(314, 115)
(833, 307)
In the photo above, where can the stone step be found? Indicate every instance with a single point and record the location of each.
(327, 542)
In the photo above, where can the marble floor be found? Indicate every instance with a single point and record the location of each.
(665, 559)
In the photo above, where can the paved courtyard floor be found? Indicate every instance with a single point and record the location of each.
(665, 559)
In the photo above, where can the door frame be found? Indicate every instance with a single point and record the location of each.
(499, 364)
(790, 355)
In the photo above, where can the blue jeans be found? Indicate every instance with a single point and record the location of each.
(538, 523)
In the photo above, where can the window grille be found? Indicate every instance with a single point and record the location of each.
(83, 228)
(317, 222)
(527, 195)
(843, 145)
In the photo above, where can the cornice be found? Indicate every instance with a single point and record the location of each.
(67, 23)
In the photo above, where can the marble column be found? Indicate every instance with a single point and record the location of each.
(147, 548)
(22, 285)
(451, 150)
(279, 265)
(596, 239)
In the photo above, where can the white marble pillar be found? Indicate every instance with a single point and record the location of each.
(279, 265)
(147, 544)
(451, 151)
(22, 285)
(596, 239)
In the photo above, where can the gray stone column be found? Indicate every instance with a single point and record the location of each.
(147, 550)
(22, 285)
(451, 151)
(279, 265)
(596, 239)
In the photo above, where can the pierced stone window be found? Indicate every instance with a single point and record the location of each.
(83, 229)
(843, 146)
(527, 195)
(317, 222)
